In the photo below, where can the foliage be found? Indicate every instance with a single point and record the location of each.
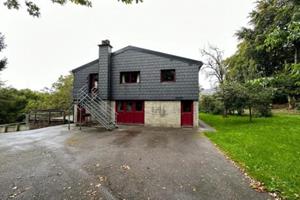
(298, 106)
(211, 104)
(268, 149)
(236, 97)
(58, 97)
(15, 103)
(34, 10)
(3, 61)
(2, 46)
(270, 48)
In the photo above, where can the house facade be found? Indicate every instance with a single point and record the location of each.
(138, 86)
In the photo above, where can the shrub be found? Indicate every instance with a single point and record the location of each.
(211, 104)
(298, 106)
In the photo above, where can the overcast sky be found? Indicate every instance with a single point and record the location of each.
(39, 50)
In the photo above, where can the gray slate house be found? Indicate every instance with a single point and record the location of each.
(137, 86)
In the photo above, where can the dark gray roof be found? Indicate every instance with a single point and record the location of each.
(133, 48)
(85, 65)
(187, 60)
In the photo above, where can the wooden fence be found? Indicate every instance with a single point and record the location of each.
(44, 118)
(21, 126)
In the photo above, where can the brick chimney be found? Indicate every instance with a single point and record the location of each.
(104, 70)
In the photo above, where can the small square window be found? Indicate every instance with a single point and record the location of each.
(168, 75)
(129, 77)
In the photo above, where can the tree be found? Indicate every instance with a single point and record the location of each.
(214, 64)
(274, 37)
(3, 61)
(59, 96)
(13, 103)
(215, 67)
(270, 46)
(34, 10)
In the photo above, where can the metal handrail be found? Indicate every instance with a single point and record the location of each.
(96, 106)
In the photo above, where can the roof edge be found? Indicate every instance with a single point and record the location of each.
(85, 65)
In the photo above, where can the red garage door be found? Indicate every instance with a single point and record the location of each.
(130, 112)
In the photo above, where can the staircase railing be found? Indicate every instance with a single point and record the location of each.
(100, 110)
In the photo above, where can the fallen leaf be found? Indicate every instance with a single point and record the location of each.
(125, 167)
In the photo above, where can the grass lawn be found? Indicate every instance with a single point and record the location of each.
(268, 148)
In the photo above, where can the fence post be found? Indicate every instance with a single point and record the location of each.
(5, 129)
(49, 118)
(18, 127)
(80, 118)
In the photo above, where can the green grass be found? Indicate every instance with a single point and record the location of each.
(268, 148)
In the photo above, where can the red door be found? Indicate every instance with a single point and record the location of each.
(187, 113)
(130, 112)
(81, 113)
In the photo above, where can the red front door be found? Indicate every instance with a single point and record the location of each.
(187, 113)
(130, 112)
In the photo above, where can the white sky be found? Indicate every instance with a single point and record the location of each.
(39, 50)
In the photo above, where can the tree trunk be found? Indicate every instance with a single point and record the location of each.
(292, 102)
(250, 113)
(297, 53)
(225, 112)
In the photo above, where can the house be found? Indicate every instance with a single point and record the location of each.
(137, 86)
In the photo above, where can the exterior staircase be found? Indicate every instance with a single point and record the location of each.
(100, 110)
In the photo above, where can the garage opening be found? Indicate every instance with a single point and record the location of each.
(130, 112)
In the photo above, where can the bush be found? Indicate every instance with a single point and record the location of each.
(211, 104)
(298, 106)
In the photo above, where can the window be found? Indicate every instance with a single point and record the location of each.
(93, 82)
(120, 106)
(128, 106)
(138, 106)
(129, 77)
(167, 75)
(187, 106)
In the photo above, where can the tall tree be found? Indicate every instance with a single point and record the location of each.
(274, 37)
(214, 65)
(270, 46)
(3, 61)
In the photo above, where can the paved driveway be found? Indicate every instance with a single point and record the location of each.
(128, 163)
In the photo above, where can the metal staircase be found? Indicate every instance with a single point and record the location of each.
(99, 109)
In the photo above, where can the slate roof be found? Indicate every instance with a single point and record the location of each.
(138, 49)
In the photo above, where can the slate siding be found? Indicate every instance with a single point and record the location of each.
(150, 87)
(81, 75)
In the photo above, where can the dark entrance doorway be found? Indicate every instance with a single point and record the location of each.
(130, 112)
(93, 82)
(187, 113)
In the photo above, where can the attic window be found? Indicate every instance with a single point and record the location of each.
(130, 77)
(167, 75)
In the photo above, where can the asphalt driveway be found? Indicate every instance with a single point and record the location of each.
(128, 163)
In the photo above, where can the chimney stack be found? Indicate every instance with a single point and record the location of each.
(104, 70)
